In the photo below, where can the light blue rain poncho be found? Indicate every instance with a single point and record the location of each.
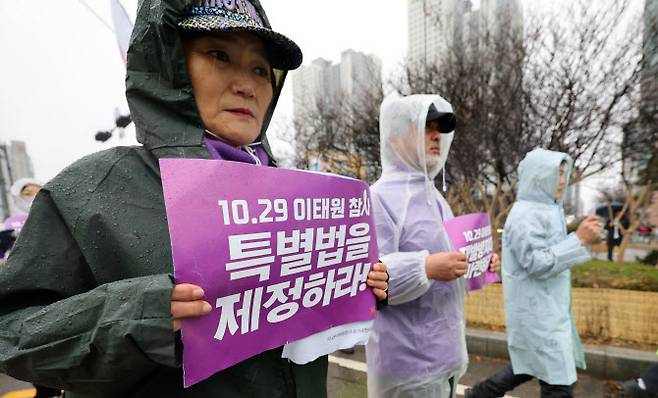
(537, 257)
(418, 340)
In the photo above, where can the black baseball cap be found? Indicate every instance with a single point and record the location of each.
(447, 120)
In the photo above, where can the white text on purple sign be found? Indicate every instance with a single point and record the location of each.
(253, 254)
(478, 253)
(238, 211)
(477, 233)
(284, 298)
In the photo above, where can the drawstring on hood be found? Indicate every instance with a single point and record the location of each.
(252, 152)
(444, 179)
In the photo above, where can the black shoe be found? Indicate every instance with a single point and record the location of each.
(468, 393)
(634, 391)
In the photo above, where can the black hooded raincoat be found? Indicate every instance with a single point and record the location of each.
(85, 296)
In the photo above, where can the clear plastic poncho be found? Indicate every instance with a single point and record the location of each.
(418, 341)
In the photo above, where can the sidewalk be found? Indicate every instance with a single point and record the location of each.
(605, 362)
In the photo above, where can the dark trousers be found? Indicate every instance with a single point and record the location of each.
(46, 392)
(650, 378)
(505, 380)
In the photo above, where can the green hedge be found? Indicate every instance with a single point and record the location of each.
(603, 274)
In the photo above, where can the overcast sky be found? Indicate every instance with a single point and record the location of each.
(62, 75)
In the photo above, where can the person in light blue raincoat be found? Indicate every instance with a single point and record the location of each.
(417, 348)
(537, 257)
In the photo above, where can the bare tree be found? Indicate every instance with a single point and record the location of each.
(566, 82)
(342, 130)
(569, 81)
(635, 193)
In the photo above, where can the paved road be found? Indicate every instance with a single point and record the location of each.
(7, 384)
(347, 379)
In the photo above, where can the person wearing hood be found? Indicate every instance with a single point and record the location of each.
(538, 254)
(202, 82)
(23, 192)
(418, 346)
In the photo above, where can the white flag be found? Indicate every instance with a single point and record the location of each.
(123, 27)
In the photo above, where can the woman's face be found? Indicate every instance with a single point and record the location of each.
(29, 191)
(232, 83)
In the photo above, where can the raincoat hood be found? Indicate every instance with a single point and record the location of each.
(22, 205)
(158, 87)
(402, 134)
(21, 183)
(90, 274)
(539, 174)
(418, 342)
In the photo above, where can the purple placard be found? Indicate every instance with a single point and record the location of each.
(281, 254)
(16, 222)
(471, 234)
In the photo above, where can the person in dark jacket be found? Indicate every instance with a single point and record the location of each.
(87, 301)
(645, 386)
(614, 235)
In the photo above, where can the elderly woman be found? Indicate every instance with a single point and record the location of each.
(87, 302)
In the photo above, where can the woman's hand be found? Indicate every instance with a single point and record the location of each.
(494, 265)
(378, 281)
(186, 302)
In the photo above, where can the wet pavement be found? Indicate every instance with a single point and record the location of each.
(347, 379)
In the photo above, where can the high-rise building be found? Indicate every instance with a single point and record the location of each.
(21, 164)
(648, 82)
(5, 183)
(360, 74)
(439, 28)
(323, 81)
(324, 86)
(649, 92)
(431, 29)
(310, 83)
(638, 146)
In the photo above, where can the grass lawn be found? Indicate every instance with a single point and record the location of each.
(603, 274)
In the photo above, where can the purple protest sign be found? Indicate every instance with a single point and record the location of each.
(471, 234)
(16, 222)
(281, 255)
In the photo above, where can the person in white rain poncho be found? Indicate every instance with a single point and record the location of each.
(538, 255)
(23, 192)
(417, 347)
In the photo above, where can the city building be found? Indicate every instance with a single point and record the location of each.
(323, 87)
(439, 28)
(649, 92)
(431, 29)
